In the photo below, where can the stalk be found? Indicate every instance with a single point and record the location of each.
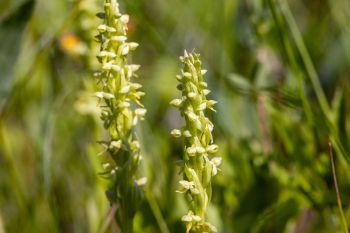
(120, 112)
(197, 167)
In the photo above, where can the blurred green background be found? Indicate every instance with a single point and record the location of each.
(279, 69)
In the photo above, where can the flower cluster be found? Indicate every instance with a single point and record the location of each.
(197, 134)
(120, 111)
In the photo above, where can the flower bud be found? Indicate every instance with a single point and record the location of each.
(101, 94)
(133, 45)
(186, 184)
(124, 50)
(200, 150)
(176, 102)
(133, 67)
(187, 75)
(111, 29)
(191, 95)
(142, 181)
(124, 104)
(140, 112)
(115, 144)
(203, 84)
(102, 28)
(176, 133)
(191, 150)
(125, 89)
(216, 161)
(187, 134)
(202, 106)
(186, 218)
(206, 91)
(124, 19)
(135, 86)
(192, 116)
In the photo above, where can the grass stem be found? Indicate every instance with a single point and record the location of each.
(340, 206)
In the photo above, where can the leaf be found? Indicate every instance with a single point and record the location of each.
(11, 31)
(239, 83)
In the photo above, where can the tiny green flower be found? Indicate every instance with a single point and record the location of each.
(176, 102)
(197, 133)
(176, 133)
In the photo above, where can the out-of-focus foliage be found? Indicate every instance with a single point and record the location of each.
(279, 70)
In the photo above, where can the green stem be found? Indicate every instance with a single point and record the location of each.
(127, 227)
(125, 223)
(157, 213)
(339, 202)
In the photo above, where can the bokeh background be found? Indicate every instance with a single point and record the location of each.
(279, 69)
